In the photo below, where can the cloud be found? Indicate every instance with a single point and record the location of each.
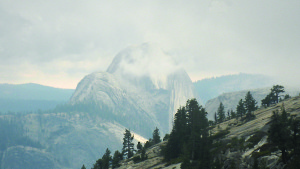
(147, 59)
(70, 39)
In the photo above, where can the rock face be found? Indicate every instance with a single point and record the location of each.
(142, 81)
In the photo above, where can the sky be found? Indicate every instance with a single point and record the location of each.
(58, 42)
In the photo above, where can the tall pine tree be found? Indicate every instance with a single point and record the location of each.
(279, 132)
(156, 136)
(277, 89)
(106, 159)
(240, 109)
(221, 113)
(116, 159)
(128, 146)
(250, 104)
(178, 135)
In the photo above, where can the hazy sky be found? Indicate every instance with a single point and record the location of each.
(58, 42)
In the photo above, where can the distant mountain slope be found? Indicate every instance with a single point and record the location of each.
(31, 97)
(33, 91)
(143, 87)
(212, 87)
(141, 90)
(231, 99)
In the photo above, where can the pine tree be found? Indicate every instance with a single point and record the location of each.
(166, 137)
(156, 136)
(106, 159)
(269, 99)
(216, 118)
(277, 89)
(128, 146)
(83, 167)
(98, 164)
(143, 154)
(232, 114)
(116, 159)
(295, 128)
(228, 115)
(221, 113)
(177, 136)
(139, 146)
(250, 104)
(279, 133)
(240, 109)
(198, 133)
(189, 138)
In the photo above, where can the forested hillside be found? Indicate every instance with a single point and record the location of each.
(265, 138)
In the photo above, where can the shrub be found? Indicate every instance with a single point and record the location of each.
(136, 159)
(220, 134)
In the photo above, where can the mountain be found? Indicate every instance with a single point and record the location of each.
(141, 90)
(212, 87)
(231, 99)
(31, 97)
(141, 83)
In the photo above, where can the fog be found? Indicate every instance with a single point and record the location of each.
(56, 42)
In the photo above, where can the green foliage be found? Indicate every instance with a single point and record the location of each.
(148, 144)
(253, 140)
(274, 96)
(83, 167)
(221, 113)
(136, 159)
(250, 104)
(106, 159)
(166, 137)
(287, 96)
(220, 134)
(98, 164)
(240, 109)
(277, 89)
(177, 136)
(142, 157)
(295, 135)
(255, 165)
(189, 138)
(210, 123)
(116, 159)
(232, 114)
(156, 136)
(279, 133)
(174, 161)
(294, 163)
(216, 118)
(139, 147)
(104, 162)
(268, 100)
(128, 146)
(238, 143)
